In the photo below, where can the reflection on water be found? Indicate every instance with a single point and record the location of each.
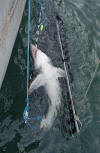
(82, 25)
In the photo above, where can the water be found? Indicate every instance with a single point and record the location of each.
(82, 26)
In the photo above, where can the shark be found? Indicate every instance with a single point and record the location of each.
(48, 77)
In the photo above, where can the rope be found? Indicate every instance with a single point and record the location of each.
(29, 3)
(45, 20)
(67, 79)
(25, 114)
(26, 111)
(90, 82)
(43, 24)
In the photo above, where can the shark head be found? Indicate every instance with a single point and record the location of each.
(40, 58)
(34, 50)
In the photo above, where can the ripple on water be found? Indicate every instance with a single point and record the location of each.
(81, 19)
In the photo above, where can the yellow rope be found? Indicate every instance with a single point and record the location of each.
(90, 82)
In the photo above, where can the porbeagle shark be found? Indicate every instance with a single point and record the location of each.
(48, 77)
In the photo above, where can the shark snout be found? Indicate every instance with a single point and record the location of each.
(33, 50)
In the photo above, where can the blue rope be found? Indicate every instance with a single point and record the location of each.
(26, 111)
(44, 22)
(29, 4)
(45, 19)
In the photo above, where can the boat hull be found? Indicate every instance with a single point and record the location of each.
(11, 12)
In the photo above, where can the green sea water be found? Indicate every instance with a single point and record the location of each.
(82, 26)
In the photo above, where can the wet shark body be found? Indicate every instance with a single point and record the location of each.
(48, 77)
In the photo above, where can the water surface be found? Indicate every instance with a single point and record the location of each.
(82, 25)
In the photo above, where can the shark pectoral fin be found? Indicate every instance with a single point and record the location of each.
(60, 73)
(39, 81)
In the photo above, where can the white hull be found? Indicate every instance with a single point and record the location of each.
(11, 12)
